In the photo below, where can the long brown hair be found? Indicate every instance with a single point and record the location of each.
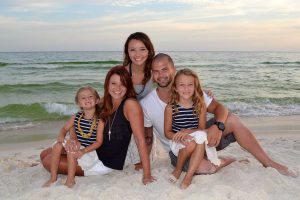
(94, 91)
(197, 97)
(147, 42)
(107, 106)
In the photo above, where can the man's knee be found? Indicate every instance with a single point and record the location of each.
(232, 118)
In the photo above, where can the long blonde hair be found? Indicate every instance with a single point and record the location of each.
(197, 97)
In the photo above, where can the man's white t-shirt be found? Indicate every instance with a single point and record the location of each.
(154, 108)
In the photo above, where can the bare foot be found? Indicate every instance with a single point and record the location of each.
(174, 176)
(138, 166)
(208, 168)
(186, 182)
(49, 183)
(288, 172)
(70, 184)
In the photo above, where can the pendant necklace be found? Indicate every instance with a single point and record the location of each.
(111, 124)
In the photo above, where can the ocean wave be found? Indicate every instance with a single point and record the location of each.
(61, 109)
(92, 62)
(36, 112)
(2, 64)
(281, 63)
(35, 88)
(67, 67)
(283, 101)
(267, 108)
(83, 62)
(15, 125)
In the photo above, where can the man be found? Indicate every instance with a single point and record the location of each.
(225, 128)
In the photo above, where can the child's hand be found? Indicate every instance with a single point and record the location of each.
(72, 146)
(187, 139)
(179, 136)
(80, 153)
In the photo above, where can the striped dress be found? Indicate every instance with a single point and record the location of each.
(85, 125)
(183, 118)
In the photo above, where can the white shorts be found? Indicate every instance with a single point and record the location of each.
(200, 137)
(91, 165)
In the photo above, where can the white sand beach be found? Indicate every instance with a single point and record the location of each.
(22, 173)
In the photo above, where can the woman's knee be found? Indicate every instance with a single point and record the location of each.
(46, 161)
(57, 147)
(45, 153)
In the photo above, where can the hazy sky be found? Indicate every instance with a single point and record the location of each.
(205, 25)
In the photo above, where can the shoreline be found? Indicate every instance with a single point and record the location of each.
(48, 130)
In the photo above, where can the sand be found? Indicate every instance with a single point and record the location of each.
(22, 173)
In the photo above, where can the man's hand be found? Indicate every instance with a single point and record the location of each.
(209, 93)
(214, 136)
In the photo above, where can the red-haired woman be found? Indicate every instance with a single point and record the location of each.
(123, 116)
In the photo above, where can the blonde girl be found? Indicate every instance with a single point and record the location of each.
(184, 124)
(88, 135)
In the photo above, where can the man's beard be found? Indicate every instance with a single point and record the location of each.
(165, 85)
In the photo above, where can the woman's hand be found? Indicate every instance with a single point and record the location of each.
(147, 180)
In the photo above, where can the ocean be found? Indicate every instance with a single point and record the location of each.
(40, 86)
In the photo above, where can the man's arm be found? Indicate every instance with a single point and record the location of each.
(220, 114)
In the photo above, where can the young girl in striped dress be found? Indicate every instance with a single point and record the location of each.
(184, 124)
(89, 135)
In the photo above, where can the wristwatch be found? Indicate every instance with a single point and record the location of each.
(220, 125)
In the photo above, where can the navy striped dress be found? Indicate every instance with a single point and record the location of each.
(184, 118)
(85, 125)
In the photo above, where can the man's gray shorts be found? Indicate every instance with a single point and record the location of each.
(224, 142)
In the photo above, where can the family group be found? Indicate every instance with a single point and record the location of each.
(143, 97)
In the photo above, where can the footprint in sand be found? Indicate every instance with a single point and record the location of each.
(244, 161)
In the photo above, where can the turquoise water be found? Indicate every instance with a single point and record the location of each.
(40, 86)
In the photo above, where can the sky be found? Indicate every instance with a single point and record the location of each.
(172, 25)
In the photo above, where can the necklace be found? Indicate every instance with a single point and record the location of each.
(110, 124)
(86, 135)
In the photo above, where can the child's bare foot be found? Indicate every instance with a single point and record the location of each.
(186, 182)
(70, 184)
(49, 183)
(174, 176)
